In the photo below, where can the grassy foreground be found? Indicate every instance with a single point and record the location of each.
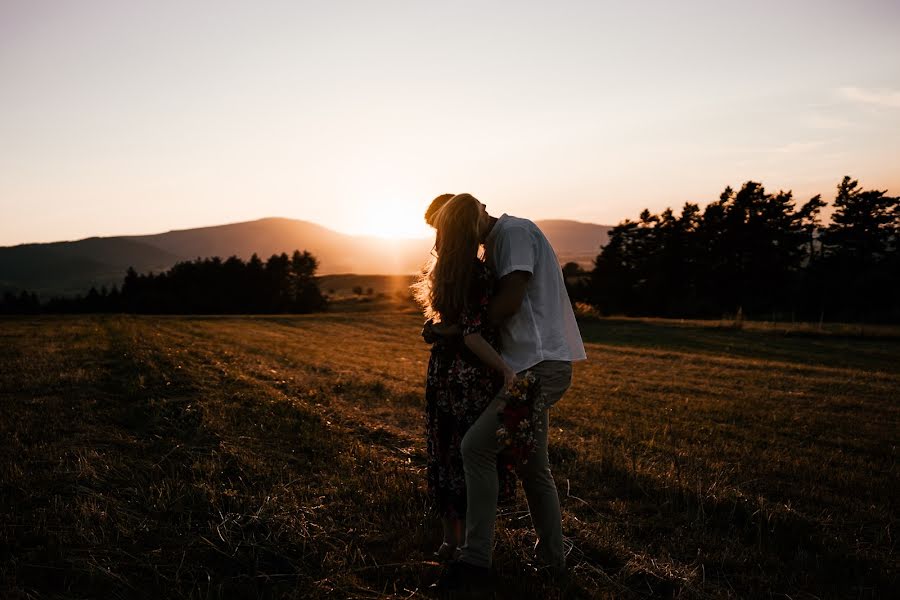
(244, 457)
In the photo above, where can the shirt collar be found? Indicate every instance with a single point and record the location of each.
(493, 233)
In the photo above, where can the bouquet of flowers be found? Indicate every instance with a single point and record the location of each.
(519, 420)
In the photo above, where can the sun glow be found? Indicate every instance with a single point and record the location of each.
(393, 220)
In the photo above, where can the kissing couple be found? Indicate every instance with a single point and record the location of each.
(503, 336)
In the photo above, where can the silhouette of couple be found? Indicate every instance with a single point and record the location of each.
(503, 337)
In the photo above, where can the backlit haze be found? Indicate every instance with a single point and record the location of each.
(140, 117)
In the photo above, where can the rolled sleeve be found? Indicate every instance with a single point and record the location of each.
(514, 251)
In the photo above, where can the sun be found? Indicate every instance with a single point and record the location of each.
(393, 220)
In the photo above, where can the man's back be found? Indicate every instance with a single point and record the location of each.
(544, 328)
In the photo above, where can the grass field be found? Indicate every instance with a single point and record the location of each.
(245, 457)
(351, 293)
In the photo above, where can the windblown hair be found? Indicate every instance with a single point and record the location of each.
(443, 287)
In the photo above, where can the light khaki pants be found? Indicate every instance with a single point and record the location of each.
(479, 450)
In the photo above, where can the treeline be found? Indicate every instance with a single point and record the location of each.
(758, 255)
(282, 284)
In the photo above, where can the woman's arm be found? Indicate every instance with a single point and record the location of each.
(446, 329)
(486, 353)
(431, 331)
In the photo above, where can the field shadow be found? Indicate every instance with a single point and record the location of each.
(792, 553)
(829, 350)
(205, 476)
(187, 489)
(286, 494)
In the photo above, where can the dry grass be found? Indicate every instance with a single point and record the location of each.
(379, 292)
(282, 457)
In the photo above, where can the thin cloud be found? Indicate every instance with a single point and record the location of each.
(826, 122)
(799, 147)
(873, 97)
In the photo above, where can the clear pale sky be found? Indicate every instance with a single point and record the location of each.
(145, 116)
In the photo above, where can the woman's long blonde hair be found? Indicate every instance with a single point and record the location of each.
(442, 288)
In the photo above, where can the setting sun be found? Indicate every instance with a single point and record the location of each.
(391, 220)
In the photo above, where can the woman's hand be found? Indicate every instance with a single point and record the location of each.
(428, 333)
(432, 332)
(509, 377)
(445, 329)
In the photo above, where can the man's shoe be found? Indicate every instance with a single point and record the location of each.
(459, 576)
(555, 571)
(447, 553)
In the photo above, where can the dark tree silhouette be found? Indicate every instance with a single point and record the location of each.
(859, 267)
(203, 286)
(25, 303)
(754, 253)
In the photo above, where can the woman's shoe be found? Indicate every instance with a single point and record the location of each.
(446, 553)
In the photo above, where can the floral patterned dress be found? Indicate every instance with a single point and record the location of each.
(458, 389)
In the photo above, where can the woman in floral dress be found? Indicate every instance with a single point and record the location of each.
(465, 372)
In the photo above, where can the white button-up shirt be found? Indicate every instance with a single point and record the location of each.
(545, 326)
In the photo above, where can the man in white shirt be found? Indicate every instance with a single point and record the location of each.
(538, 334)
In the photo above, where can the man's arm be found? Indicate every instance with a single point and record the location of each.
(508, 299)
(486, 353)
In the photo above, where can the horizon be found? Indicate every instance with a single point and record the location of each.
(144, 118)
(269, 218)
(427, 232)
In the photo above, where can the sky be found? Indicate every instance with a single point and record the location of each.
(146, 116)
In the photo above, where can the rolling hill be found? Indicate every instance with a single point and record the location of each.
(67, 268)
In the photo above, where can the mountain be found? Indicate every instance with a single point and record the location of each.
(337, 252)
(574, 237)
(67, 268)
(575, 241)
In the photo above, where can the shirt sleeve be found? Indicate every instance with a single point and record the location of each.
(514, 251)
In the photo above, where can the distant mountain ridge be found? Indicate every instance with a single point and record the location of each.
(68, 268)
(72, 267)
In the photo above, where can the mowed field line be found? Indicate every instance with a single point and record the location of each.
(376, 378)
(684, 469)
(761, 422)
(754, 418)
(740, 424)
(254, 490)
(368, 348)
